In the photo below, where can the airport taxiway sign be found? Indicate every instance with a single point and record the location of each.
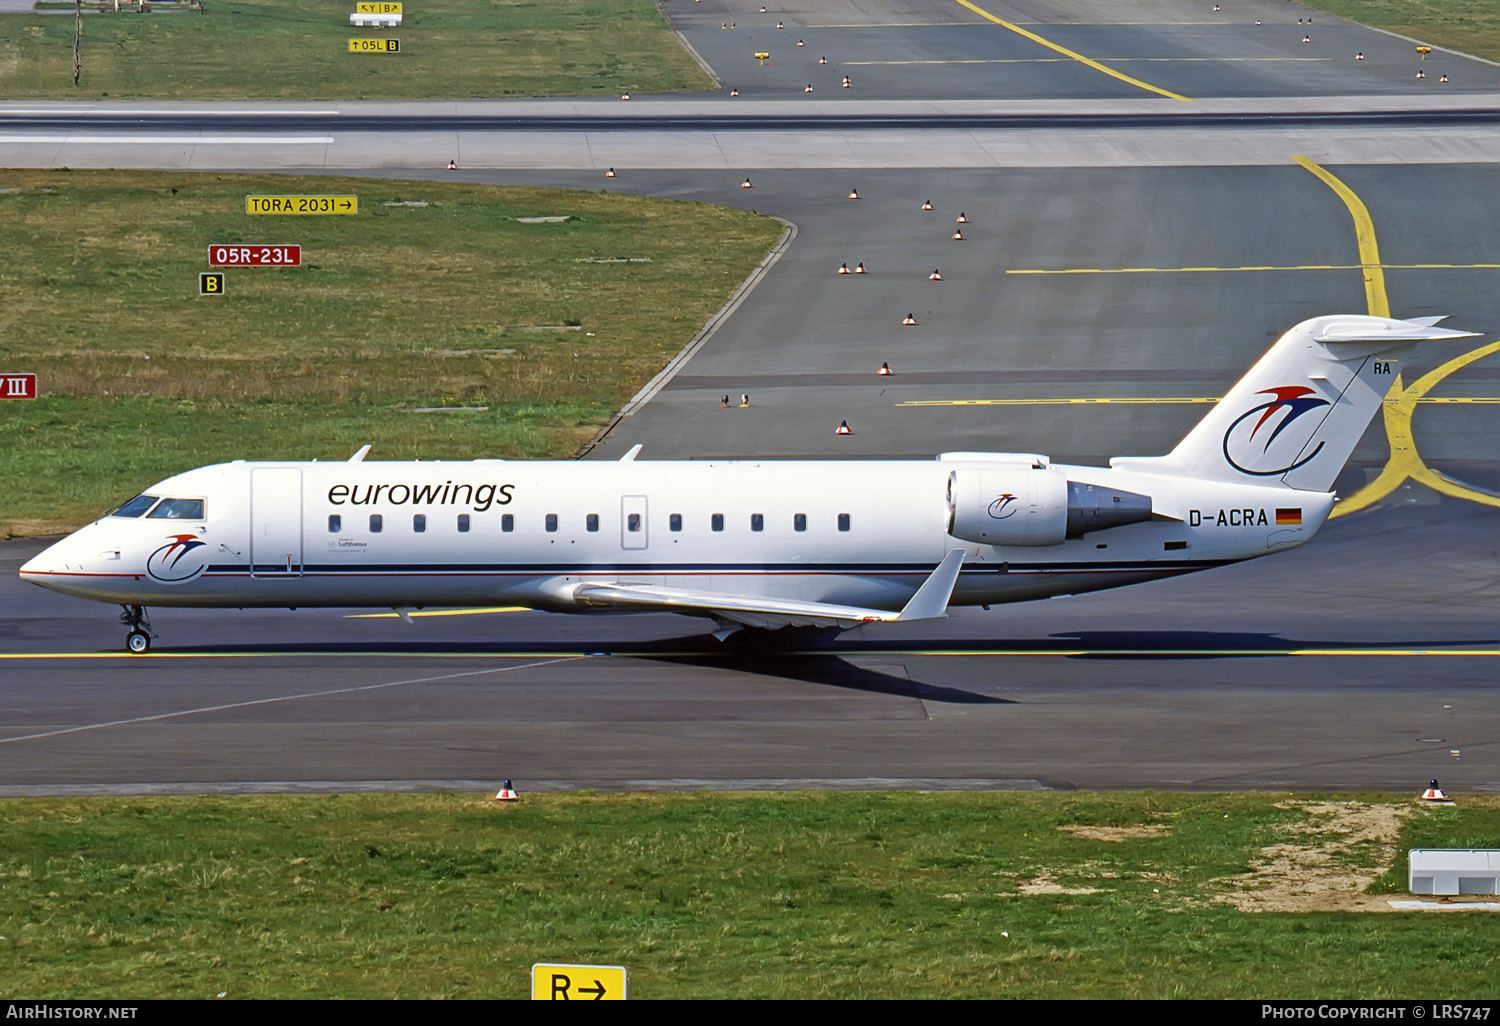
(374, 46)
(551, 982)
(18, 386)
(301, 204)
(377, 8)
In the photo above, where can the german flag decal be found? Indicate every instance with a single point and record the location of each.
(1286, 517)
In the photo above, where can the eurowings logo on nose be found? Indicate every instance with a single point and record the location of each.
(1255, 448)
(167, 564)
(1003, 507)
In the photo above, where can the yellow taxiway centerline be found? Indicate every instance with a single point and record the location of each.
(438, 612)
(1401, 402)
(1111, 72)
(1112, 60)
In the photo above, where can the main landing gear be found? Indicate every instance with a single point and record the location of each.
(138, 640)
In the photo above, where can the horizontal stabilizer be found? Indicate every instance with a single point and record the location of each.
(929, 601)
(1361, 328)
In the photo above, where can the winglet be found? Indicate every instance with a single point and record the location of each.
(359, 456)
(635, 450)
(931, 599)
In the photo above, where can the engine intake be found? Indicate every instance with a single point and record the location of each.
(1035, 506)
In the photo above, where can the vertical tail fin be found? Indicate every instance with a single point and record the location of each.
(1298, 414)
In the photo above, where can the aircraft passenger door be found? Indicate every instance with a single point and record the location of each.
(276, 522)
(633, 522)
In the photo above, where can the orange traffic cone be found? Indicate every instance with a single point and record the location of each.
(822, 60)
(1360, 56)
(854, 194)
(746, 184)
(1420, 74)
(885, 369)
(962, 218)
(624, 96)
(780, 25)
(1443, 78)
(507, 794)
(927, 204)
(809, 88)
(936, 275)
(801, 43)
(860, 269)
(843, 268)
(958, 236)
(843, 428)
(610, 173)
(452, 166)
(846, 81)
(1307, 39)
(734, 92)
(909, 319)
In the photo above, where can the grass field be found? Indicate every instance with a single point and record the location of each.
(298, 50)
(782, 895)
(460, 302)
(1469, 26)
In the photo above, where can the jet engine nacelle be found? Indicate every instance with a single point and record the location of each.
(1036, 506)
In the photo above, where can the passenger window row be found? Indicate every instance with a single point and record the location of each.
(633, 522)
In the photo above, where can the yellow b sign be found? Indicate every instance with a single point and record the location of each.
(579, 982)
(301, 204)
(374, 46)
(377, 8)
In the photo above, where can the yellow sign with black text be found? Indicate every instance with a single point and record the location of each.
(374, 46)
(301, 204)
(377, 8)
(579, 982)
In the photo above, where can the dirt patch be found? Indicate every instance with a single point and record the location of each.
(1326, 862)
(1110, 833)
(1046, 885)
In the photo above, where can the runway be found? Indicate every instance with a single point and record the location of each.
(1112, 278)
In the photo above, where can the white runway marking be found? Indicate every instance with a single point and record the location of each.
(281, 698)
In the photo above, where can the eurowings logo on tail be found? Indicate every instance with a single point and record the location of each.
(1254, 447)
(167, 565)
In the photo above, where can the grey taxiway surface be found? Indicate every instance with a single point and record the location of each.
(1141, 268)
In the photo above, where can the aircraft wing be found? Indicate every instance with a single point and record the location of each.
(929, 601)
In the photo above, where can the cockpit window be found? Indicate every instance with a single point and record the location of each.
(136, 506)
(177, 509)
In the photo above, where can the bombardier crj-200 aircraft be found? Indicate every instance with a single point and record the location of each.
(750, 543)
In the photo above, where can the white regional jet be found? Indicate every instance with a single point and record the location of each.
(749, 543)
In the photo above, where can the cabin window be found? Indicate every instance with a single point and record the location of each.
(419, 522)
(136, 506)
(799, 521)
(507, 522)
(633, 522)
(674, 522)
(591, 522)
(376, 523)
(177, 509)
(716, 521)
(757, 521)
(843, 521)
(552, 521)
(335, 523)
(463, 523)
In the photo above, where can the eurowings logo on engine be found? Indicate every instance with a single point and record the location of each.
(1249, 449)
(1003, 507)
(172, 564)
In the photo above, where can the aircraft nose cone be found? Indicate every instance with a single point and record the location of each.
(40, 565)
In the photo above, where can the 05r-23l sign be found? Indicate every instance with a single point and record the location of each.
(255, 256)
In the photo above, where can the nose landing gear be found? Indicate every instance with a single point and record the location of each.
(138, 640)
